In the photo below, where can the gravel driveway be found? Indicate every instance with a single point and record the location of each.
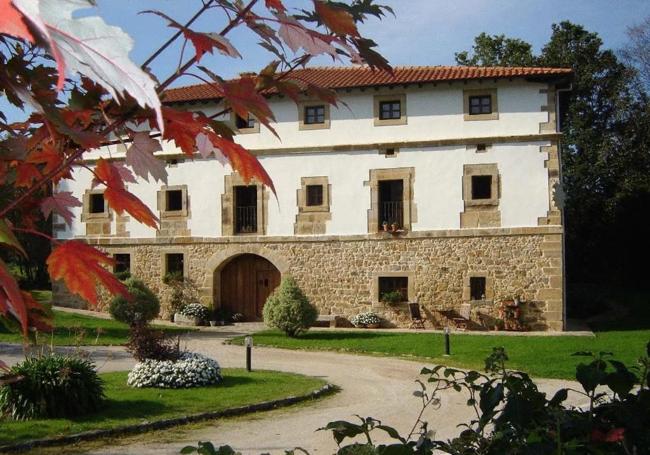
(370, 386)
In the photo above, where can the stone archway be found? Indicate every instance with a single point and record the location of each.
(246, 282)
(220, 261)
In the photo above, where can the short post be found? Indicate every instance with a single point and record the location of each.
(447, 347)
(248, 342)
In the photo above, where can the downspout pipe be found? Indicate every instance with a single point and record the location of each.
(558, 129)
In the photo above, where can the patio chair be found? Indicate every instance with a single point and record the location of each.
(455, 319)
(417, 320)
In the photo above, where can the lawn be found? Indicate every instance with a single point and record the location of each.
(126, 405)
(540, 356)
(75, 329)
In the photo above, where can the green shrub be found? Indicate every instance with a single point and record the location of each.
(288, 309)
(141, 309)
(50, 387)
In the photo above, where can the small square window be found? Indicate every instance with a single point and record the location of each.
(314, 195)
(481, 187)
(314, 114)
(477, 287)
(173, 200)
(389, 285)
(481, 147)
(390, 110)
(122, 263)
(480, 104)
(174, 263)
(97, 203)
(172, 162)
(242, 123)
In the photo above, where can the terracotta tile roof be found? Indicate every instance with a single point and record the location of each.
(358, 76)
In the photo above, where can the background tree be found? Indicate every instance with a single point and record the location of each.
(75, 74)
(605, 158)
(637, 52)
(497, 50)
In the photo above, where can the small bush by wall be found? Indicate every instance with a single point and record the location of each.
(288, 309)
(144, 306)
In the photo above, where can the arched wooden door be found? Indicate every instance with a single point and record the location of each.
(246, 282)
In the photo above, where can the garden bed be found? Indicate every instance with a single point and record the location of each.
(130, 407)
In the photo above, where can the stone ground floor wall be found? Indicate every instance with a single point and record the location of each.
(340, 274)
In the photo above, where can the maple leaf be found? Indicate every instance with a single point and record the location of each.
(243, 98)
(206, 148)
(91, 47)
(11, 299)
(336, 19)
(13, 23)
(60, 203)
(81, 268)
(48, 156)
(118, 198)
(202, 42)
(140, 157)
(296, 36)
(182, 127)
(26, 173)
(242, 161)
(8, 238)
(276, 5)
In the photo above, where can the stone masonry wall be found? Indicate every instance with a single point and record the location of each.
(339, 275)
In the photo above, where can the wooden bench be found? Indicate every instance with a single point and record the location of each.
(329, 320)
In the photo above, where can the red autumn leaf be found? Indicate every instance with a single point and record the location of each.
(336, 19)
(48, 156)
(243, 98)
(11, 299)
(202, 42)
(242, 161)
(182, 127)
(12, 22)
(60, 203)
(38, 316)
(81, 267)
(276, 5)
(26, 173)
(119, 199)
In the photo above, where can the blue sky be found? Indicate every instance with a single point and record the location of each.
(424, 32)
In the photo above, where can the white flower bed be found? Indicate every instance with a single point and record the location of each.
(190, 370)
(195, 310)
(369, 318)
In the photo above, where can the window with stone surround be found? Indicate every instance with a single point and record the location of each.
(94, 205)
(172, 201)
(97, 203)
(314, 195)
(122, 263)
(313, 115)
(246, 125)
(390, 109)
(175, 264)
(480, 196)
(391, 198)
(313, 206)
(389, 284)
(480, 104)
(244, 207)
(477, 288)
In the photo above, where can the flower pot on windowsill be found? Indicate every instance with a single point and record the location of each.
(186, 320)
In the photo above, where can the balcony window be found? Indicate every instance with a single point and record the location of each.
(97, 203)
(246, 209)
(391, 203)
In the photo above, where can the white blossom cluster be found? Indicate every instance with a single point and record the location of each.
(365, 319)
(190, 370)
(195, 310)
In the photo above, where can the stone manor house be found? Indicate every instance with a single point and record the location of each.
(436, 182)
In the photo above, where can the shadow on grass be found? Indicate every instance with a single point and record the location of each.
(125, 409)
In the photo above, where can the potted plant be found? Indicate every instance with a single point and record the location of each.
(392, 297)
(384, 225)
(192, 314)
(498, 324)
(367, 320)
